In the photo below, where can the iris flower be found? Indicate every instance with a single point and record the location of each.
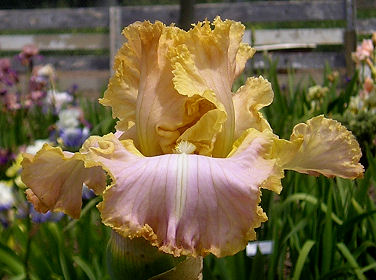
(189, 156)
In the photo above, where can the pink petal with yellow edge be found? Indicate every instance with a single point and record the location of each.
(184, 204)
(273, 182)
(55, 179)
(248, 100)
(320, 146)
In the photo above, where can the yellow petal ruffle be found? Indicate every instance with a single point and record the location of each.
(320, 146)
(248, 100)
(166, 80)
(122, 90)
(217, 55)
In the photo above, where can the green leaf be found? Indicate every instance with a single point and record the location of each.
(85, 267)
(18, 277)
(58, 236)
(258, 264)
(349, 224)
(299, 226)
(12, 261)
(313, 200)
(327, 250)
(84, 211)
(351, 260)
(302, 258)
(368, 267)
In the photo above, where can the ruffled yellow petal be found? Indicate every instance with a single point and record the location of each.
(201, 99)
(55, 179)
(141, 90)
(203, 133)
(213, 56)
(201, 122)
(166, 81)
(244, 53)
(122, 90)
(248, 100)
(320, 146)
(184, 204)
(146, 95)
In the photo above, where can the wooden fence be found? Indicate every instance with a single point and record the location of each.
(74, 25)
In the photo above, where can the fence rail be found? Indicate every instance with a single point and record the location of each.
(54, 18)
(109, 22)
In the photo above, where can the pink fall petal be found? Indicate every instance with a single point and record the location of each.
(184, 204)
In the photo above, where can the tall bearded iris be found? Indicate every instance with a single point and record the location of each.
(189, 156)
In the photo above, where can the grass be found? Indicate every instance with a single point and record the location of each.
(69, 252)
(366, 13)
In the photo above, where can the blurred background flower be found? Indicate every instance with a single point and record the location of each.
(72, 138)
(6, 195)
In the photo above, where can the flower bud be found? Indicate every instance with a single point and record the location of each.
(137, 259)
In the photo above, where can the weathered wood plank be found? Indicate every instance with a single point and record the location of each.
(53, 18)
(98, 17)
(69, 62)
(79, 62)
(274, 11)
(55, 41)
(366, 4)
(299, 60)
(317, 36)
(165, 13)
(349, 41)
(284, 46)
(101, 41)
(366, 26)
(116, 39)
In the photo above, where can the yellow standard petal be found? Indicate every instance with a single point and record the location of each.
(248, 100)
(320, 146)
(55, 179)
(145, 96)
(122, 90)
(214, 56)
(170, 84)
(141, 91)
